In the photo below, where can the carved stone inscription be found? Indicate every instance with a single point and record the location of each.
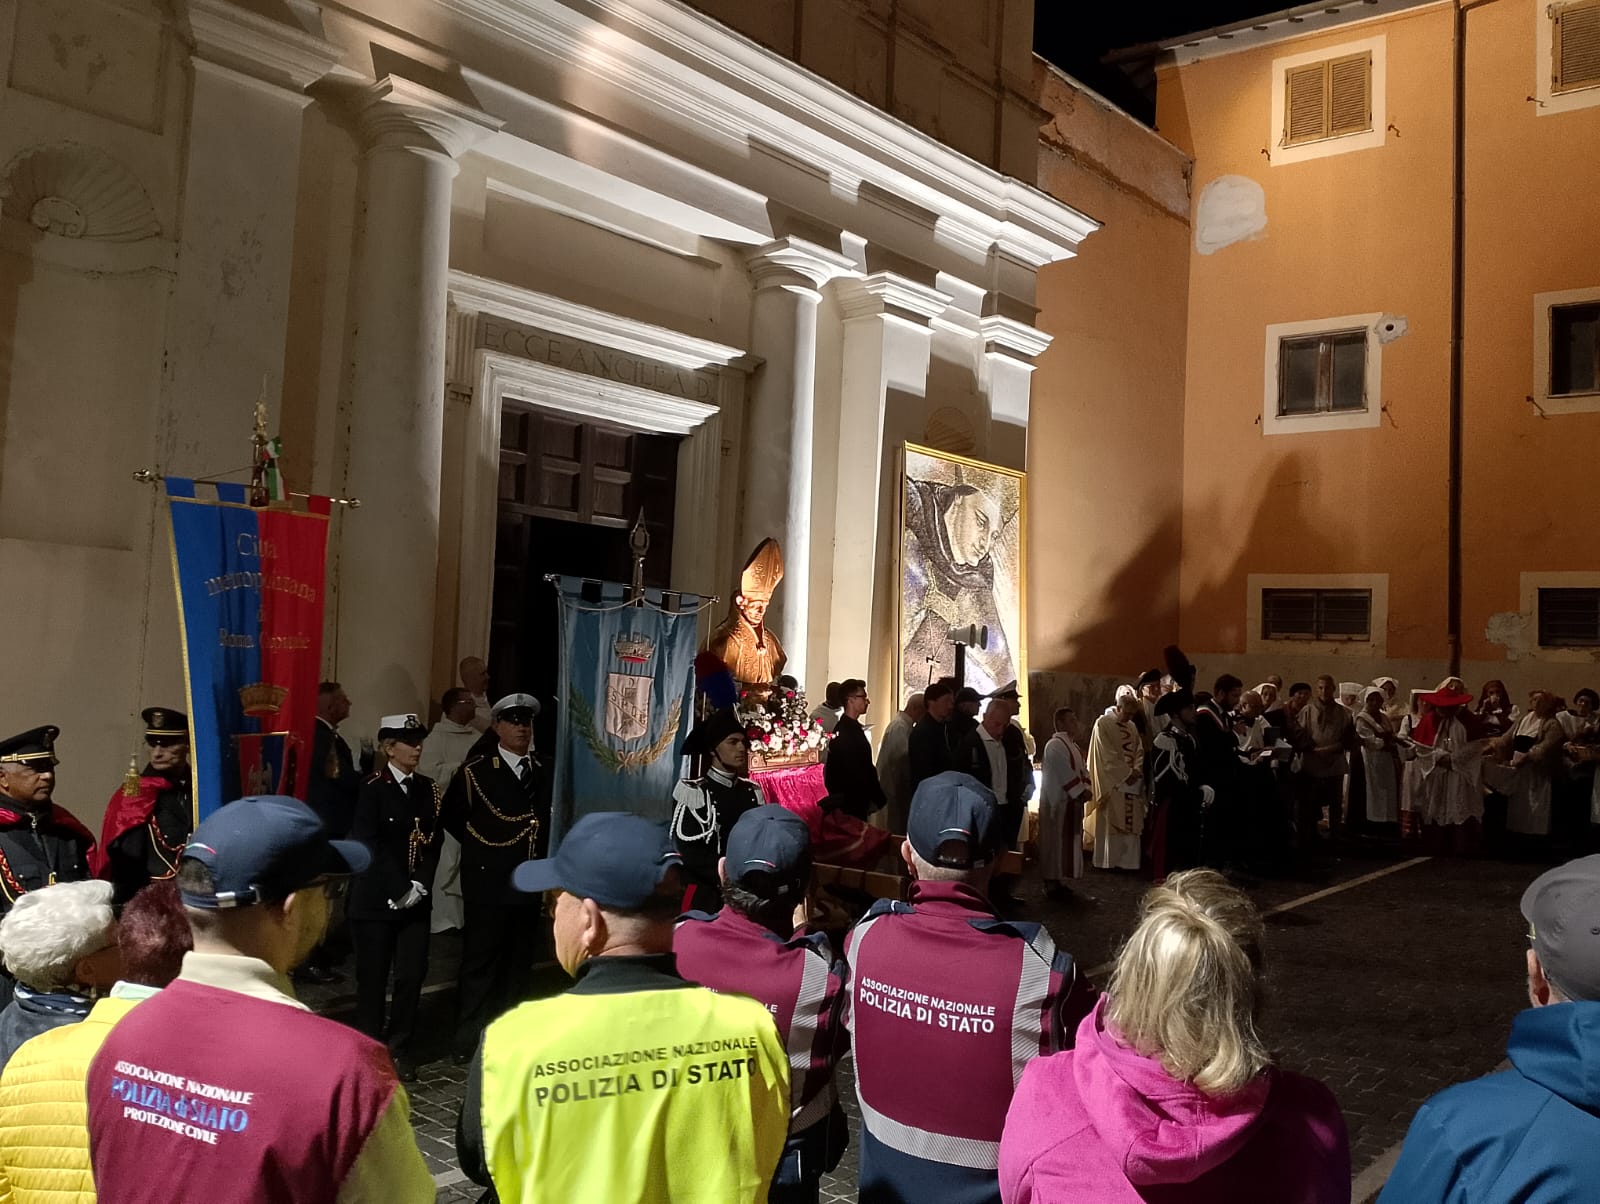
(591, 359)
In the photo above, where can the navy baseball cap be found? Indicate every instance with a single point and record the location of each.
(616, 858)
(265, 848)
(950, 807)
(771, 841)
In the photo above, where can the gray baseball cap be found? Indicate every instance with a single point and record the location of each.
(1562, 908)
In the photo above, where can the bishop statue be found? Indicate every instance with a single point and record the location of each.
(751, 652)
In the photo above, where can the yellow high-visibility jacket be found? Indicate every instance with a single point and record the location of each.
(44, 1115)
(634, 1087)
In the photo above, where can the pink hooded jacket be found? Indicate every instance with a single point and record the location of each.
(1101, 1124)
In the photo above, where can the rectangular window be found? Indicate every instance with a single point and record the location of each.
(1569, 618)
(1574, 349)
(1577, 47)
(1328, 99)
(1322, 373)
(1316, 614)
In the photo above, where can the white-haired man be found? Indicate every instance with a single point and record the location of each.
(60, 944)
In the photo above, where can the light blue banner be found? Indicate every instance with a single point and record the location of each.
(626, 703)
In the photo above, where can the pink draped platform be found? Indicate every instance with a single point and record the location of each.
(836, 838)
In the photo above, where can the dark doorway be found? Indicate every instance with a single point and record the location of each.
(569, 494)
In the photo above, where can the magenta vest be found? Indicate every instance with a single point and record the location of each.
(206, 1094)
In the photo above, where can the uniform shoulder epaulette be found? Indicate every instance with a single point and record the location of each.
(374, 775)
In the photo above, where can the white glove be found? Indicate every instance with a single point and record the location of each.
(1207, 796)
(416, 894)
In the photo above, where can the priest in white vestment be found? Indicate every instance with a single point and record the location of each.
(1064, 789)
(1116, 774)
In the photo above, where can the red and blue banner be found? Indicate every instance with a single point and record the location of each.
(250, 598)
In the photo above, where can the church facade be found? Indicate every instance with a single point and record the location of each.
(513, 274)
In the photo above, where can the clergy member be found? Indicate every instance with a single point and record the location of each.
(1116, 772)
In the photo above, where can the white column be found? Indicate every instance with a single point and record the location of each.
(887, 342)
(778, 433)
(236, 237)
(389, 548)
(1010, 348)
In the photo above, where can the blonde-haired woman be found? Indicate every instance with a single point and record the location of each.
(1170, 1092)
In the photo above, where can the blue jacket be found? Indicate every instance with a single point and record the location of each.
(1530, 1134)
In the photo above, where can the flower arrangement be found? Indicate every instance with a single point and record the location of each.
(780, 727)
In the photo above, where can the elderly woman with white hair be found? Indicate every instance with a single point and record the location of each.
(1170, 1092)
(60, 944)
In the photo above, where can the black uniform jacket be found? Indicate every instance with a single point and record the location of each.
(928, 749)
(387, 817)
(848, 772)
(335, 782)
(38, 848)
(132, 856)
(498, 825)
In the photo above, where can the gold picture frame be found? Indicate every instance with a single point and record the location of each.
(942, 582)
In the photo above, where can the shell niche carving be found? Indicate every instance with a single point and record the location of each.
(76, 191)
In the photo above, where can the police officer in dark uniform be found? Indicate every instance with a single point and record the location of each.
(498, 807)
(704, 809)
(334, 779)
(40, 843)
(149, 820)
(334, 784)
(397, 818)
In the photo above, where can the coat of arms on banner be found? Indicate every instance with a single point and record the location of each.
(628, 694)
(628, 705)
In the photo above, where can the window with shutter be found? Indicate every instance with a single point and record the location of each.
(1316, 614)
(1328, 99)
(1305, 116)
(1350, 94)
(1569, 618)
(1577, 47)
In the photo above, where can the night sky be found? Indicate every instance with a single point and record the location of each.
(1076, 34)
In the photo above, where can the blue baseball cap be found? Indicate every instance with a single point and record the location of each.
(952, 807)
(616, 858)
(773, 842)
(265, 848)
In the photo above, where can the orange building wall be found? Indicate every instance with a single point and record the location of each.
(1105, 426)
(1361, 232)
(1533, 226)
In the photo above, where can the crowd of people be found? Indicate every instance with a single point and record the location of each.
(150, 998)
(1260, 780)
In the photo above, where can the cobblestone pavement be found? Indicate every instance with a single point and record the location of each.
(1400, 980)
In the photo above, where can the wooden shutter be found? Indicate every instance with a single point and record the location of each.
(1350, 94)
(1577, 46)
(1569, 618)
(1305, 110)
